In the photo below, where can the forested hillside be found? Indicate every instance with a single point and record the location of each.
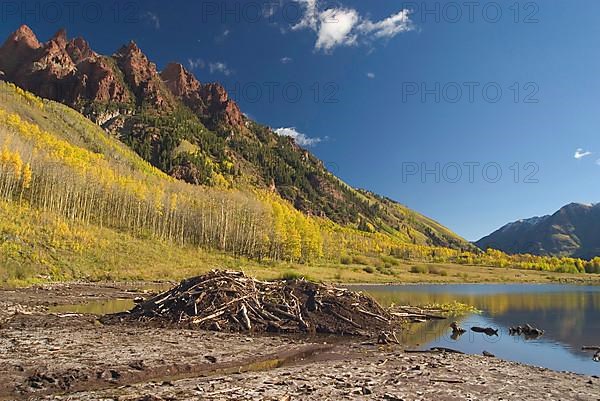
(66, 184)
(192, 131)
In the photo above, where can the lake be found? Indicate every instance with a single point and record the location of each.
(570, 316)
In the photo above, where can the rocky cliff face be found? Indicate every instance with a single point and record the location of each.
(66, 71)
(142, 77)
(69, 71)
(125, 94)
(209, 101)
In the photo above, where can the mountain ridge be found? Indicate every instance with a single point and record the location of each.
(573, 231)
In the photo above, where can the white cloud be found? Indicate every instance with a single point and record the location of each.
(195, 64)
(152, 18)
(219, 67)
(300, 138)
(310, 17)
(336, 28)
(286, 60)
(580, 154)
(598, 162)
(388, 27)
(370, 75)
(346, 27)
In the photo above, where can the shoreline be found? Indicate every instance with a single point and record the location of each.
(520, 283)
(591, 280)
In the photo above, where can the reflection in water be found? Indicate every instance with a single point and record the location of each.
(95, 307)
(570, 316)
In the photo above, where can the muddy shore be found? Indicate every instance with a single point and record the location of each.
(54, 356)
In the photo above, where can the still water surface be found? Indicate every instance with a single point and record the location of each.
(570, 316)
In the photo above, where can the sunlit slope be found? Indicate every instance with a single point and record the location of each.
(63, 123)
(56, 160)
(76, 203)
(67, 124)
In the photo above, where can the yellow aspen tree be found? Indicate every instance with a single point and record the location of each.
(17, 164)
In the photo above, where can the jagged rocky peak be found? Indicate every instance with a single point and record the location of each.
(134, 61)
(25, 36)
(217, 99)
(79, 50)
(19, 48)
(180, 81)
(210, 101)
(215, 92)
(60, 38)
(67, 71)
(142, 76)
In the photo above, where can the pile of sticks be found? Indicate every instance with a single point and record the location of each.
(231, 301)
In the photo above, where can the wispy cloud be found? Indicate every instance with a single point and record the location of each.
(196, 64)
(300, 138)
(580, 154)
(370, 75)
(310, 17)
(220, 38)
(219, 67)
(286, 60)
(269, 10)
(152, 19)
(340, 26)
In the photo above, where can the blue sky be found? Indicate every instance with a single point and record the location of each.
(384, 90)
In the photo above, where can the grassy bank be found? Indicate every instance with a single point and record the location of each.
(39, 247)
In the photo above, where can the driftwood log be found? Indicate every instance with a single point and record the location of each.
(433, 350)
(593, 348)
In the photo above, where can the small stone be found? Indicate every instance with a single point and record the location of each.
(36, 385)
(137, 365)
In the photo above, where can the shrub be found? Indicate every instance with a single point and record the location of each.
(421, 269)
(360, 260)
(345, 260)
(438, 271)
(390, 260)
(369, 269)
(385, 270)
(291, 275)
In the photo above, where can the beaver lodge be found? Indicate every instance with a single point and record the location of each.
(232, 301)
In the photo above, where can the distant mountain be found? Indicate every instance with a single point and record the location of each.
(194, 132)
(574, 230)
